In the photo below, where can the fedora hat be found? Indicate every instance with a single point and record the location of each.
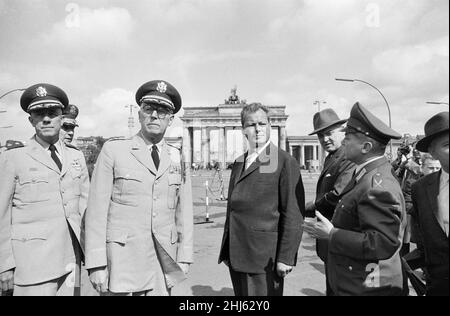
(436, 126)
(325, 119)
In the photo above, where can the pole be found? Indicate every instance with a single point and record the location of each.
(382, 95)
(207, 220)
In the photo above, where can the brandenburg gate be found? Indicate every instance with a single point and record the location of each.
(214, 134)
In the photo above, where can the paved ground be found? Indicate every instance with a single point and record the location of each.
(206, 277)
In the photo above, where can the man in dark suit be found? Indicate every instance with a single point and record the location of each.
(366, 232)
(430, 206)
(336, 174)
(262, 231)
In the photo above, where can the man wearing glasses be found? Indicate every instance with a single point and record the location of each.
(139, 222)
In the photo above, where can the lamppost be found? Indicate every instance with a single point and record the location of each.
(4, 95)
(131, 118)
(438, 103)
(384, 98)
(318, 103)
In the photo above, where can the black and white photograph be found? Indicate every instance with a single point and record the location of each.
(224, 153)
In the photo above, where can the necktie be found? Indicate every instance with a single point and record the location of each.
(54, 156)
(155, 156)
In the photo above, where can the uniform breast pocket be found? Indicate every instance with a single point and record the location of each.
(174, 189)
(33, 187)
(128, 183)
(76, 177)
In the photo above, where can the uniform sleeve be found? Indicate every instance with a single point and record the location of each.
(415, 222)
(7, 188)
(328, 202)
(380, 216)
(184, 218)
(97, 210)
(292, 201)
(85, 183)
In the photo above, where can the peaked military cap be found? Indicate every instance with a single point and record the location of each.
(70, 115)
(159, 92)
(435, 126)
(43, 96)
(363, 121)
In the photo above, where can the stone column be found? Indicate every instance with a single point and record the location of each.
(222, 147)
(282, 136)
(187, 150)
(205, 147)
(302, 153)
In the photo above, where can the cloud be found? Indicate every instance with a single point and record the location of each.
(107, 115)
(87, 31)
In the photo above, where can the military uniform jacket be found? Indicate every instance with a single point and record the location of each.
(263, 224)
(37, 204)
(335, 177)
(369, 221)
(139, 219)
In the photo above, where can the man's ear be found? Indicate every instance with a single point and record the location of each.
(171, 118)
(367, 147)
(30, 119)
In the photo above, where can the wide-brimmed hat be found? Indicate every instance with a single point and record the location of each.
(436, 126)
(325, 119)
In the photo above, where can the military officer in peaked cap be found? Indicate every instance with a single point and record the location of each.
(69, 123)
(366, 232)
(139, 222)
(43, 197)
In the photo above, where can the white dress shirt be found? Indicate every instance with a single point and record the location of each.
(46, 147)
(251, 158)
(443, 202)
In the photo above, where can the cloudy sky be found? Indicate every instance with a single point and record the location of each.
(278, 52)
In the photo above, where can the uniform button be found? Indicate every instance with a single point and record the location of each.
(350, 268)
(155, 198)
(154, 214)
(342, 206)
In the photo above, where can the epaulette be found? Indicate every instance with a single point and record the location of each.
(71, 146)
(114, 139)
(377, 180)
(174, 146)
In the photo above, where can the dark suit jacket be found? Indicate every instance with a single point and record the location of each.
(434, 240)
(263, 224)
(370, 219)
(336, 175)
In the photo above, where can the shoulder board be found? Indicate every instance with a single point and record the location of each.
(377, 180)
(71, 146)
(114, 139)
(174, 146)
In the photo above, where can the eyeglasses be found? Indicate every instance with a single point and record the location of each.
(161, 112)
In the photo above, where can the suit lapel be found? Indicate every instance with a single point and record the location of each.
(38, 153)
(140, 151)
(253, 167)
(239, 168)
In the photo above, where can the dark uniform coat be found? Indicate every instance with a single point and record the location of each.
(369, 221)
(336, 175)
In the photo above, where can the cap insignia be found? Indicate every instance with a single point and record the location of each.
(162, 87)
(41, 92)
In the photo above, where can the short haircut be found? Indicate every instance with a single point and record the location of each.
(253, 108)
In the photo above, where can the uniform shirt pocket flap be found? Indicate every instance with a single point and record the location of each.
(174, 179)
(25, 234)
(33, 178)
(128, 174)
(117, 236)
